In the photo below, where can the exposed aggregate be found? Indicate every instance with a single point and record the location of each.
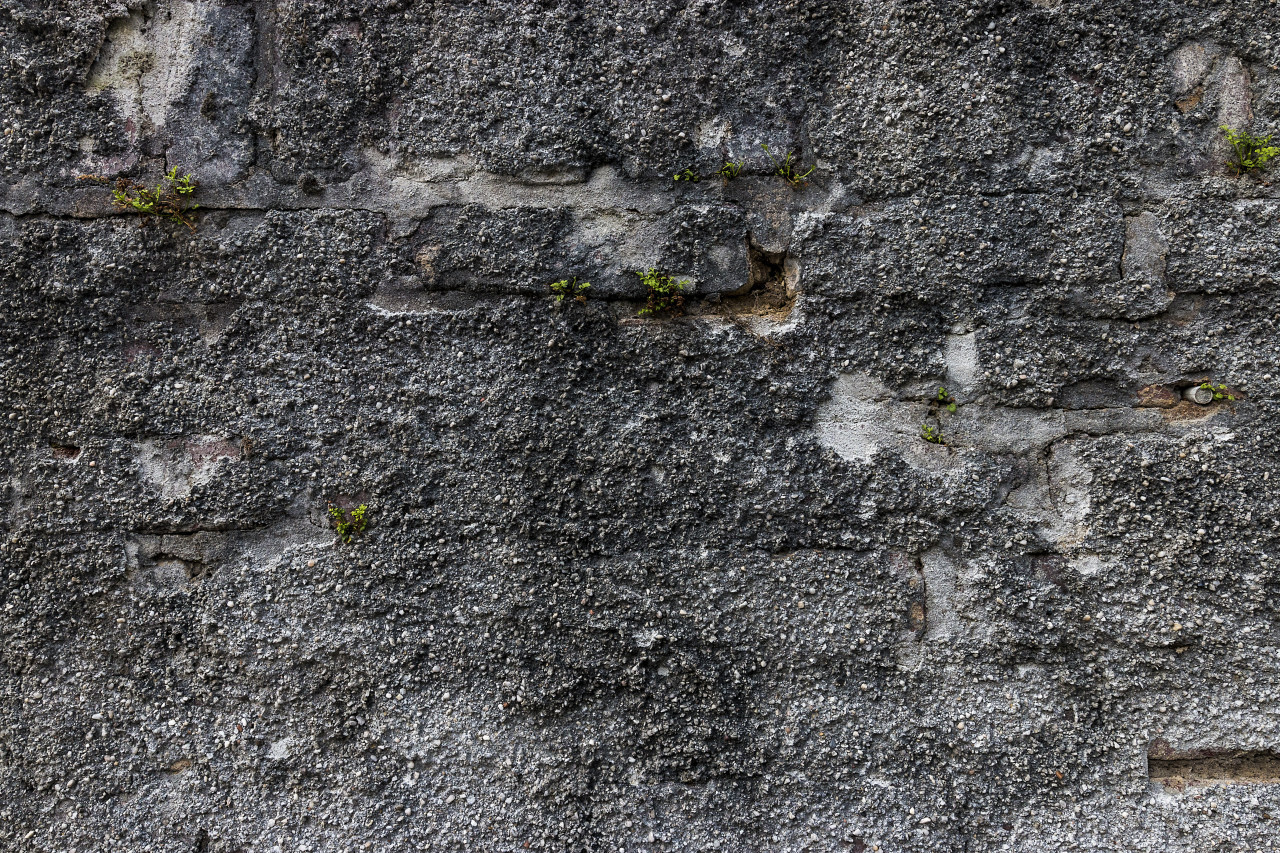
(617, 593)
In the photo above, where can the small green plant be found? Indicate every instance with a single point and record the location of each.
(730, 170)
(945, 399)
(931, 434)
(570, 288)
(662, 293)
(1249, 152)
(1220, 391)
(170, 199)
(349, 524)
(787, 168)
(688, 175)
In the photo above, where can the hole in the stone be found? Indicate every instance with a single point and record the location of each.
(773, 283)
(65, 451)
(1197, 768)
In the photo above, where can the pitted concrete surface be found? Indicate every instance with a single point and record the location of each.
(639, 584)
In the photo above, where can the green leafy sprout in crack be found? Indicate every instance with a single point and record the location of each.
(941, 400)
(730, 170)
(662, 293)
(788, 168)
(1249, 152)
(570, 288)
(170, 199)
(1220, 391)
(688, 175)
(945, 399)
(349, 524)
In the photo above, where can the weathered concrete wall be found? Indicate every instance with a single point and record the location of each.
(639, 585)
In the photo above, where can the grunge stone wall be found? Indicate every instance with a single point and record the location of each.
(639, 584)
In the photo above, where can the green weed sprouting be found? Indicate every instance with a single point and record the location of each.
(662, 293)
(730, 170)
(941, 400)
(786, 168)
(570, 288)
(688, 175)
(945, 399)
(349, 524)
(170, 199)
(1249, 152)
(1220, 391)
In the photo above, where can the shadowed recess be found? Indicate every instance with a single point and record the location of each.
(1202, 767)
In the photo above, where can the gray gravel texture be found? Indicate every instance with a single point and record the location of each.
(637, 584)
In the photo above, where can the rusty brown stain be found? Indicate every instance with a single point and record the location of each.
(1189, 411)
(1158, 396)
(1191, 101)
(915, 617)
(206, 452)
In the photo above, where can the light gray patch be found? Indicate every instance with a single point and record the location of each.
(961, 355)
(861, 418)
(940, 573)
(147, 59)
(175, 466)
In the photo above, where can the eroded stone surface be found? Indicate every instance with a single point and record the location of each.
(637, 584)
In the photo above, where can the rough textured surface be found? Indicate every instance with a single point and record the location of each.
(638, 585)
